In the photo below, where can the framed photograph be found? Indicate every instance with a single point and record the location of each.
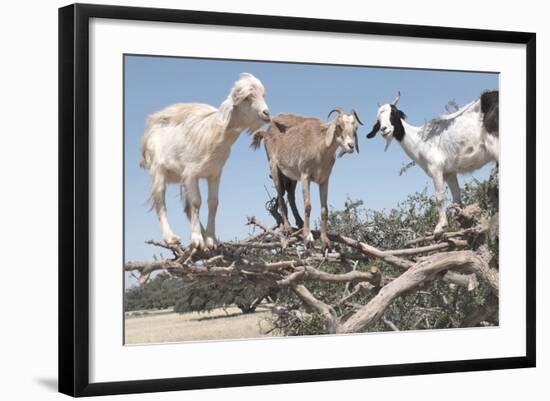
(252, 199)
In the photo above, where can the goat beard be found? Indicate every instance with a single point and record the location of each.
(389, 138)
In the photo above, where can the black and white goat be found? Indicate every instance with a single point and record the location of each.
(452, 144)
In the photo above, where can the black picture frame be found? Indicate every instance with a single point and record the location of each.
(74, 198)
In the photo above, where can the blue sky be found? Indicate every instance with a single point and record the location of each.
(151, 83)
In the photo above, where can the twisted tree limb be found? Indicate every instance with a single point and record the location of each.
(326, 311)
(370, 250)
(415, 277)
(443, 236)
(421, 265)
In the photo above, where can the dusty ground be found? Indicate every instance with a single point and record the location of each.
(167, 326)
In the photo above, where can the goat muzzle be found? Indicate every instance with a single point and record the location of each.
(264, 115)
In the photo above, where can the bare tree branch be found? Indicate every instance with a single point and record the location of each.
(251, 259)
(428, 248)
(444, 236)
(390, 324)
(468, 281)
(326, 311)
(369, 250)
(415, 277)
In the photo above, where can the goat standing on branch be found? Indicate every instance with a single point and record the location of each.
(460, 142)
(188, 141)
(303, 149)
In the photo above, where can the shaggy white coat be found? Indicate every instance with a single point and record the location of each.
(452, 144)
(186, 142)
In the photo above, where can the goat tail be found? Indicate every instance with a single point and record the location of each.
(257, 138)
(145, 161)
(489, 109)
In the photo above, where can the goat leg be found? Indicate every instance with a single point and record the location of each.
(452, 182)
(276, 175)
(192, 208)
(158, 194)
(308, 236)
(210, 234)
(440, 202)
(323, 194)
(291, 193)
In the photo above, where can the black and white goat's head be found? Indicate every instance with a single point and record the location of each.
(344, 129)
(388, 122)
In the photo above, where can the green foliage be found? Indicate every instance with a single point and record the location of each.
(485, 193)
(164, 292)
(159, 293)
(311, 324)
(441, 305)
(386, 229)
(202, 296)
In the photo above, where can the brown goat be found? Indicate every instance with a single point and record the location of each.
(304, 149)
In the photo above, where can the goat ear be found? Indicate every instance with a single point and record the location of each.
(238, 96)
(331, 131)
(375, 129)
(356, 142)
(395, 119)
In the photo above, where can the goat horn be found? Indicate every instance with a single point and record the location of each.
(336, 109)
(396, 98)
(356, 116)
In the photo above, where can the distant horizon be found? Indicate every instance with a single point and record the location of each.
(154, 82)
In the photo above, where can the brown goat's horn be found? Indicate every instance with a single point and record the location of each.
(336, 109)
(356, 116)
(396, 98)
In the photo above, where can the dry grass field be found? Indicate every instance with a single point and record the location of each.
(167, 326)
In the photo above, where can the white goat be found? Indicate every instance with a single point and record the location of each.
(188, 141)
(460, 142)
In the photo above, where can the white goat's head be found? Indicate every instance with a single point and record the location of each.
(388, 121)
(249, 107)
(344, 129)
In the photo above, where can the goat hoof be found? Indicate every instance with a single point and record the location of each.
(211, 243)
(197, 241)
(326, 245)
(287, 229)
(172, 239)
(308, 240)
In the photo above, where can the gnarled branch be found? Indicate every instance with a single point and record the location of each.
(421, 265)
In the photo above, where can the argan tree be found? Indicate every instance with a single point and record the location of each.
(384, 272)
